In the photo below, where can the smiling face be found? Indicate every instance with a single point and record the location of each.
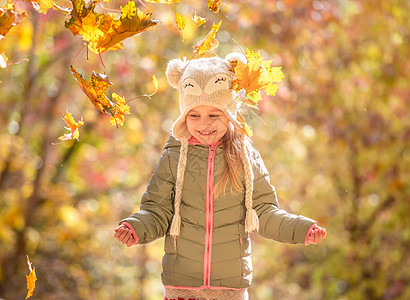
(207, 124)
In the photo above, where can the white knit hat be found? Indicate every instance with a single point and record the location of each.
(206, 81)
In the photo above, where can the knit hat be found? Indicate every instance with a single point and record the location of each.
(206, 81)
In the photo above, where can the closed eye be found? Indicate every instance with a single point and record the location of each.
(187, 85)
(220, 80)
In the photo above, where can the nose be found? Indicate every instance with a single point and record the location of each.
(204, 95)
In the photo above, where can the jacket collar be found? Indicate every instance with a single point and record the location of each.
(194, 141)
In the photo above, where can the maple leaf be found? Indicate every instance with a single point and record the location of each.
(41, 5)
(255, 75)
(31, 279)
(198, 20)
(214, 5)
(180, 20)
(121, 109)
(103, 32)
(9, 18)
(209, 42)
(95, 90)
(72, 126)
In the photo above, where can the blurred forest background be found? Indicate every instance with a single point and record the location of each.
(336, 141)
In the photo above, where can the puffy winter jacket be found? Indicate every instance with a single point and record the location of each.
(212, 249)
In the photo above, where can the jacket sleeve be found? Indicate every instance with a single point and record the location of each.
(156, 211)
(275, 223)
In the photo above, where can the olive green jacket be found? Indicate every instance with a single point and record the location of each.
(219, 256)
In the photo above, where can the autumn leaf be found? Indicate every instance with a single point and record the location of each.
(31, 279)
(198, 20)
(95, 90)
(209, 42)
(180, 20)
(9, 18)
(103, 32)
(121, 109)
(72, 126)
(41, 5)
(254, 76)
(214, 5)
(163, 1)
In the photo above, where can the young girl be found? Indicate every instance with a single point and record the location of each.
(209, 190)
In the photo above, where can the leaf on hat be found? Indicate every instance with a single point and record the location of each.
(209, 43)
(9, 18)
(254, 76)
(214, 5)
(104, 32)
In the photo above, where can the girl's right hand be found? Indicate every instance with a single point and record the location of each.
(124, 235)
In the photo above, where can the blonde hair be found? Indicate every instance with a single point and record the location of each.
(232, 143)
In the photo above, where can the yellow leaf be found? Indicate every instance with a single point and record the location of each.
(31, 279)
(42, 5)
(180, 20)
(73, 127)
(3, 61)
(103, 32)
(214, 5)
(121, 109)
(9, 18)
(209, 41)
(198, 20)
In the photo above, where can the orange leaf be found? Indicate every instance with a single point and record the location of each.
(31, 279)
(9, 18)
(95, 90)
(214, 5)
(180, 20)
(121, 109)
(209, 42)
(73, 127)
(198, 20)
(103, 32)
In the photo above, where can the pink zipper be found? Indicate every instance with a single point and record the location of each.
(209, 216)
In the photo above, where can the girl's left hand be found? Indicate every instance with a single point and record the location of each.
(317, 234)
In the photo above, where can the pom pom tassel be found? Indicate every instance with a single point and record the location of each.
(251, 221)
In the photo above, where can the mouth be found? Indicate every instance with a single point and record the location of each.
(206, 132)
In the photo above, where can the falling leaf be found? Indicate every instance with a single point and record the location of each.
(209, 42)
(163, 1)
(198, 20)
(102, 32)
(254, 76)
(214, 5)
(9, 18)
(3, 61)
(72, 126)
(95, 90)
(180, 20)
(121, 109)
(42, 5)
(31, 279)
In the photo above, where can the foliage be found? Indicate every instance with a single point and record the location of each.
(335, 142)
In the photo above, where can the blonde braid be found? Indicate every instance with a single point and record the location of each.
(251, 219)
(176, 220)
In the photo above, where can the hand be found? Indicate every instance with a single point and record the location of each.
(317, 234)
(124, 235)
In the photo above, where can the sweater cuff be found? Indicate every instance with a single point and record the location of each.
(308, 234)
(134, 234)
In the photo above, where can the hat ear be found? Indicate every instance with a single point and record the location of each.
(236, 56)
(174, 71)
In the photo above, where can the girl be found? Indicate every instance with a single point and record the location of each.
(209, 190)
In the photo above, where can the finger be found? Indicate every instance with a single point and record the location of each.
(119, 232)
(131, 242)
(126, 237)
(123, 233)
